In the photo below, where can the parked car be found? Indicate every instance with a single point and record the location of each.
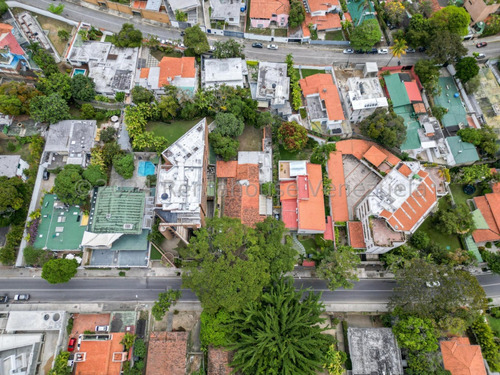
(348, 51)
(257, 45)
(383, 51)
(46, 174)
(481, 45)
(422, 49)
(373, 51)
(21, 297)
(480, 56)
(272, 46)
(359, 51)
(410, 50)
(71, 344)
(432, 284)
(183, 33)
(101, 328)
(4, 299)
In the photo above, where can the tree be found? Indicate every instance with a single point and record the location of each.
(49, 109)
(56, 9)
(293, 136)
(225, 147)
(419, 29)
(452, 18)
(165, 300)
(264, 119)
(95, 175)
(228, 49)
(168, 107)
(69, 185)
(43, 59)
(467, 69)
(486, 339)
(36, 257)
(428, 73)
(420, 240)
(140, 349)
(142, 95)
(11, 195)
(108, 134)
(280, 334)
(109, 151)
(57, 271)
(3, 8)
(394, 11)
(124, 165)
(82, 88)
(57, 83)
(297, 14)
(446, 47)
(475, 173)
(215, 329)
(15, 97)
(385, 127)
(63, 35)
(127, 37)
(61, 365)
(228, 125)
(366, 35)
(399, 47)
(334, 361)
(180, 16)
(120, 96)
(458, 295)
(87, 111)
(456, 220)
(128, 341)
(196, 40)
(472, 85)
(338, 267)
(416, 334)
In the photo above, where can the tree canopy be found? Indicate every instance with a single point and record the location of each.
(57, 83)
(416, 334)
(124, 165)
(232, 263)
(428, 73)
(11, 195)
(165, 300)
(142, 95)
(70, 186)
(228, 49)
(454, 220)
(293, 136)
(446, 47)
(419, 30)
(452, 18)
(467, 69)
(338, 267)
(385, 127)
(484, 138)
(228, 125)
(57, 271)
(49, 109)
(127, 37)
(82, 88)
(365, 36)
(196, 40)
(297, 14)
(225, 147)
(15, 97)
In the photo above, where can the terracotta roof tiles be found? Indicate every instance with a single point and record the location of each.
(171, 67)
(489, 205)
(358, 147)
(356, 236)
(321, 5)
(218, 361)
(338, 195)
(226, 168)
(99, 360)
(462, 358)
(322, 84)
(167, 353)
(265, 9)
(375, 156)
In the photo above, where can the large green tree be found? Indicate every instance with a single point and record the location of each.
(280, 334)
(385, 127)
(168, 107)
(57, 271)
(49, 109)
(196, 40)
(124, 165)
(15, 97)
(142, 95)
(82, 88)
(467, 69)
(297, 14)
(293, 136)
(419, 30)
(228, 49)
(446, 47)
(228, 125)
(452, 18)
(57, 83)
(95, 175)
(338, 267)
(70, 186)
(416, 334)
(165, 300)
(366, 35)
(231, 263)
(11, 195)
(454, 220)
(127, 37)
(225, 147)
(428, 73)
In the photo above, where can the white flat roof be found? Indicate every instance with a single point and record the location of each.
(38, 321)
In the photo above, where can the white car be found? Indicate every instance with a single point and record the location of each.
(432, 284)
(410, 50)
(348, 51)
(480, 56)
(101, 328)
(21, 297)
(383, 51)
(272, 46)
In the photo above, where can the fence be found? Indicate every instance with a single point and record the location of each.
(341, 43)
(234, 34)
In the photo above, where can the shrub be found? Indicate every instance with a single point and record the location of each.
(121, 273)
(486, 340)
(488, 245)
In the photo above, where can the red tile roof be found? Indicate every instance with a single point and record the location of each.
(462, 358)
(171, 67)
(99, 360)
(356, 237)
(308, 263)
(413, 91)
(302, 183)
(358, 147)
(419, 108)
(328, 235)
(489, 205)
(322, 84)
(218, 361)
(330, 21)
(338, 195)
(226, 169)
(321, 5)
(375, 156)
(264, 9)
(288, 190)
(289, 213)
(404, 170)
(7, 39)
(167, 353)
(496, 187)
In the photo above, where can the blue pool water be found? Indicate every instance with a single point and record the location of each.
(146, 168)
(78, 72)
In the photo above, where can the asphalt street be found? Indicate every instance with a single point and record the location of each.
(144, 290)
(303, 54)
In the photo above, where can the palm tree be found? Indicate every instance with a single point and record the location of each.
(397, 49)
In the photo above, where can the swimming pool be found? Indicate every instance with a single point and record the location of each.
(77, 72)
(146, 168)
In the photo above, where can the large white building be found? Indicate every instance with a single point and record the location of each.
(229, 72)
(362, 96)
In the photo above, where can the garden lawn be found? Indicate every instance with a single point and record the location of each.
(155, 254)
(311, 72)
(250, 139)
(300, 155)
(158, 55)
(108, 38)
(458, 193)
(334, 35)
(494, 324)
(309, 244)
(172, 131)
(281, 32)
(23, 150)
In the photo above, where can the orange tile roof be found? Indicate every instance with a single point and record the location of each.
(338, 195)
(99, 356)
(264, 9)
(312, 210)
(419, 108)
(322, 84)
(218, 361)
(327, 22)
(171, 67)
(288, 190)
(144, 73)
(375, 156)
(8, 39)
(5, 28)
(289, 213)
(328, 235)
(226, 168)
(462, 358)
(358, 147)
(356, 236)
(302, 184)
(489, 205)
(496, 187)
(139, 4)
(167, 353)
(404, 170)
(348, 17)
(413, 91)
(319, 5)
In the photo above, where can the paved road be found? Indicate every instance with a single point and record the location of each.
(303, 54)
(125, 289)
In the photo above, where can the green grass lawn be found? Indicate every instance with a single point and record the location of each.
(172, 131)
(155, 254)
(494, 324)
(262, 31)
(281, 32)
(301, 155)
(309, 244)
(23, 150)
(158, 55)
(311, 72)
(458, 193)
(251, 139)
(108, 38)
(334, 35)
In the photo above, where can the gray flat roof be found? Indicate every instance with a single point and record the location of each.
(38, 321)
(223, 71)
(8, 165)
(153, 5)
(273, 83)
(183, 4)
(226, 9)
(71, 136)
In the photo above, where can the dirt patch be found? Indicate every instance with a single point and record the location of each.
(185, 320)
(250, 139)
(53, 26)
(87, 322)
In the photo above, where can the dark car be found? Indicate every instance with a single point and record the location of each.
(183, 33)
(257, 45)
(359, 51)
(373, 51)
(71, 344)
(422, 49)
(46, 174)
(4, 299)
(481, 45)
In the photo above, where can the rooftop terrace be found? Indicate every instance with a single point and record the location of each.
(456, 113)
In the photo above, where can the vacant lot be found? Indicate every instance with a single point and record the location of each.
(23, 150)
(334, 35)
(251, 139)
(53, 26)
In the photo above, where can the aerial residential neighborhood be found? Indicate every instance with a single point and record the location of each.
(250, 187)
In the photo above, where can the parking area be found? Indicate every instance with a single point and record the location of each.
(87, 322)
